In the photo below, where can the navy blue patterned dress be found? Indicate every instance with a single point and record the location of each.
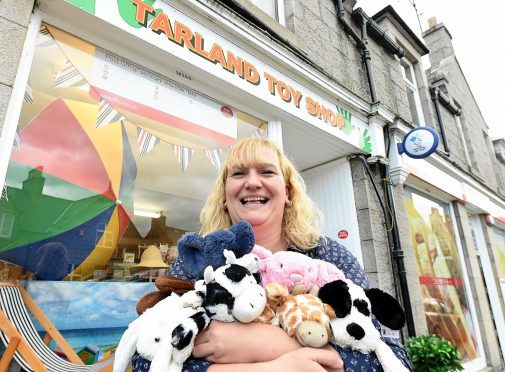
(330, 251)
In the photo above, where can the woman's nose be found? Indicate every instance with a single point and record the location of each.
(253, 180)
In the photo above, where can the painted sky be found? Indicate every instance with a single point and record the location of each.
(78, 305)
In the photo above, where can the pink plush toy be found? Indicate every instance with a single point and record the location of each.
(298, 272)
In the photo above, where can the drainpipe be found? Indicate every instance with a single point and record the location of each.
(391, 226)
(362, 44)
(367, 58)
(397, 250)
(436, 97)
(390, 45)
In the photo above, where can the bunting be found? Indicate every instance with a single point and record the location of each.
(107, 114)
(28, 94)
(256, 134)
(146, 141)
(44, 38)
(214, 156)
(68, 77)
(4, 193)
(183, 155)
(16, 144)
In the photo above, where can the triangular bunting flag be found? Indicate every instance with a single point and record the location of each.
(183, 155)
(256, 134)
(28, 94)
(44, 38)
(68, 77)
(107, 114)
(16, 145)
(4, 193)
(146, 141)
(214, 156)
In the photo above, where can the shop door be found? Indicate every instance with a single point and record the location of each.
(489, 278)
(330, 186)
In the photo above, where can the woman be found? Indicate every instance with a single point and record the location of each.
(258, 184)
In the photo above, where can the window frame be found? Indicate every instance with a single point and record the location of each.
(279, 10)
(414, 89)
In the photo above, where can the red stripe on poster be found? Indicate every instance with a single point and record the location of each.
(428, 280)
(173, 121)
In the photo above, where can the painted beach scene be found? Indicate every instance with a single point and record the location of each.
(91, 316)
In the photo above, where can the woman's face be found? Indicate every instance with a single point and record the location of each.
(256, 192)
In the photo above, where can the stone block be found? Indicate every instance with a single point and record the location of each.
(11, 44)
(5, 95)
(17, 11)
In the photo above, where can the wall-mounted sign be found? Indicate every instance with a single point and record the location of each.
(419, 143)
(343, 234)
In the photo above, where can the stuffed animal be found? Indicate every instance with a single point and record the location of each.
(353, 327)
(300, 273)
(303, 316)
(227, 294)
(150, 336)
(196, 253)
(165, 285)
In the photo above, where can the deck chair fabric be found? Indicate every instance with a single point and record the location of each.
(12, 305)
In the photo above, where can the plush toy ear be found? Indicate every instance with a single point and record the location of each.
(208, 274)
(214, 245)
(244, 238)
(127, 345)
(386, 309)
(336, 294)
(191, 253)
(261, 252)
(230, 257)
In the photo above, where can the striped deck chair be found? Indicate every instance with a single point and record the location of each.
(23, 343)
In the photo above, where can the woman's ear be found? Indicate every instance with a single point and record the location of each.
(288, 195)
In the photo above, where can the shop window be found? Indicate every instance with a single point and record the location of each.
(498, 249)
(448, 309)
(409, 79)
(6, 224)
(112, 158)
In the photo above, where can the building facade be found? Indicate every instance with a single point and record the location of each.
(117, 114)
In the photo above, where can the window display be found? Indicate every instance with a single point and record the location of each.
(110, 158)
(440, 275)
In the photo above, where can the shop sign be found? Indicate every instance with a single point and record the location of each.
(169, 29)
(419, 143)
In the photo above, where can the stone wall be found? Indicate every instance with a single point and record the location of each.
(14, 19)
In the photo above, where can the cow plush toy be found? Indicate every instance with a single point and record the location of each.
(353, 327)
(227, 294)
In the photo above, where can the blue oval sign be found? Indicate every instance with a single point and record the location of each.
(419, 143)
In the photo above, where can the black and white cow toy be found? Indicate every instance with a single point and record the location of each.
(228, 294)
(353, 326)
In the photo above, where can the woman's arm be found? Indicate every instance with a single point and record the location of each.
(242, 343)
(303, 359)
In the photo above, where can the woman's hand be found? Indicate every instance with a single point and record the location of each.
(308, 359)
(242, 343)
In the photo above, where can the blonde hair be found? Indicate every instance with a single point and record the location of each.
(300, 223)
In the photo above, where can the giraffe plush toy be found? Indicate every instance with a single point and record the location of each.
(303, 316)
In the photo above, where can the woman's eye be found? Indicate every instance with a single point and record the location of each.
(237, 173)
(267, 171)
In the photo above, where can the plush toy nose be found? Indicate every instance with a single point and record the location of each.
(311, 333)
(355, 330)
